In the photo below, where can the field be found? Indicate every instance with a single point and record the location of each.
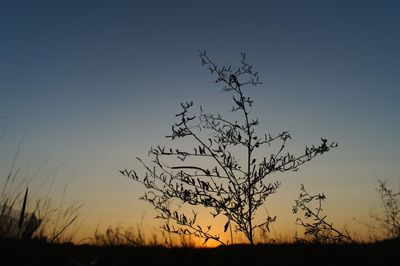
(41, 253)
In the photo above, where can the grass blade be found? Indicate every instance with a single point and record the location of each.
(22, 214)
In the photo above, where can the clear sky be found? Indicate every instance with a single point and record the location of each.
(96, 83)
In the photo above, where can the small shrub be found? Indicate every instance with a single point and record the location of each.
(389, 222)
(316, 228)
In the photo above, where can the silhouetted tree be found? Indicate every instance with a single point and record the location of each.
(210, 174)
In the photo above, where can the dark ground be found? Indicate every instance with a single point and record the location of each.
(40, 253)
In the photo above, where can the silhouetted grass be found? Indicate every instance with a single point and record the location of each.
(27, 211)
(42, 253)
(135, 237)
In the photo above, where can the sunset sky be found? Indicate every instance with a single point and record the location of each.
(94, 84)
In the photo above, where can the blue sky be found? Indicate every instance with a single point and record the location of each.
(96, 83)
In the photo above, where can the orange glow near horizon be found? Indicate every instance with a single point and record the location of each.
(282, 231)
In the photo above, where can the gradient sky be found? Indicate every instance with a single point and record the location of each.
(96, 83)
